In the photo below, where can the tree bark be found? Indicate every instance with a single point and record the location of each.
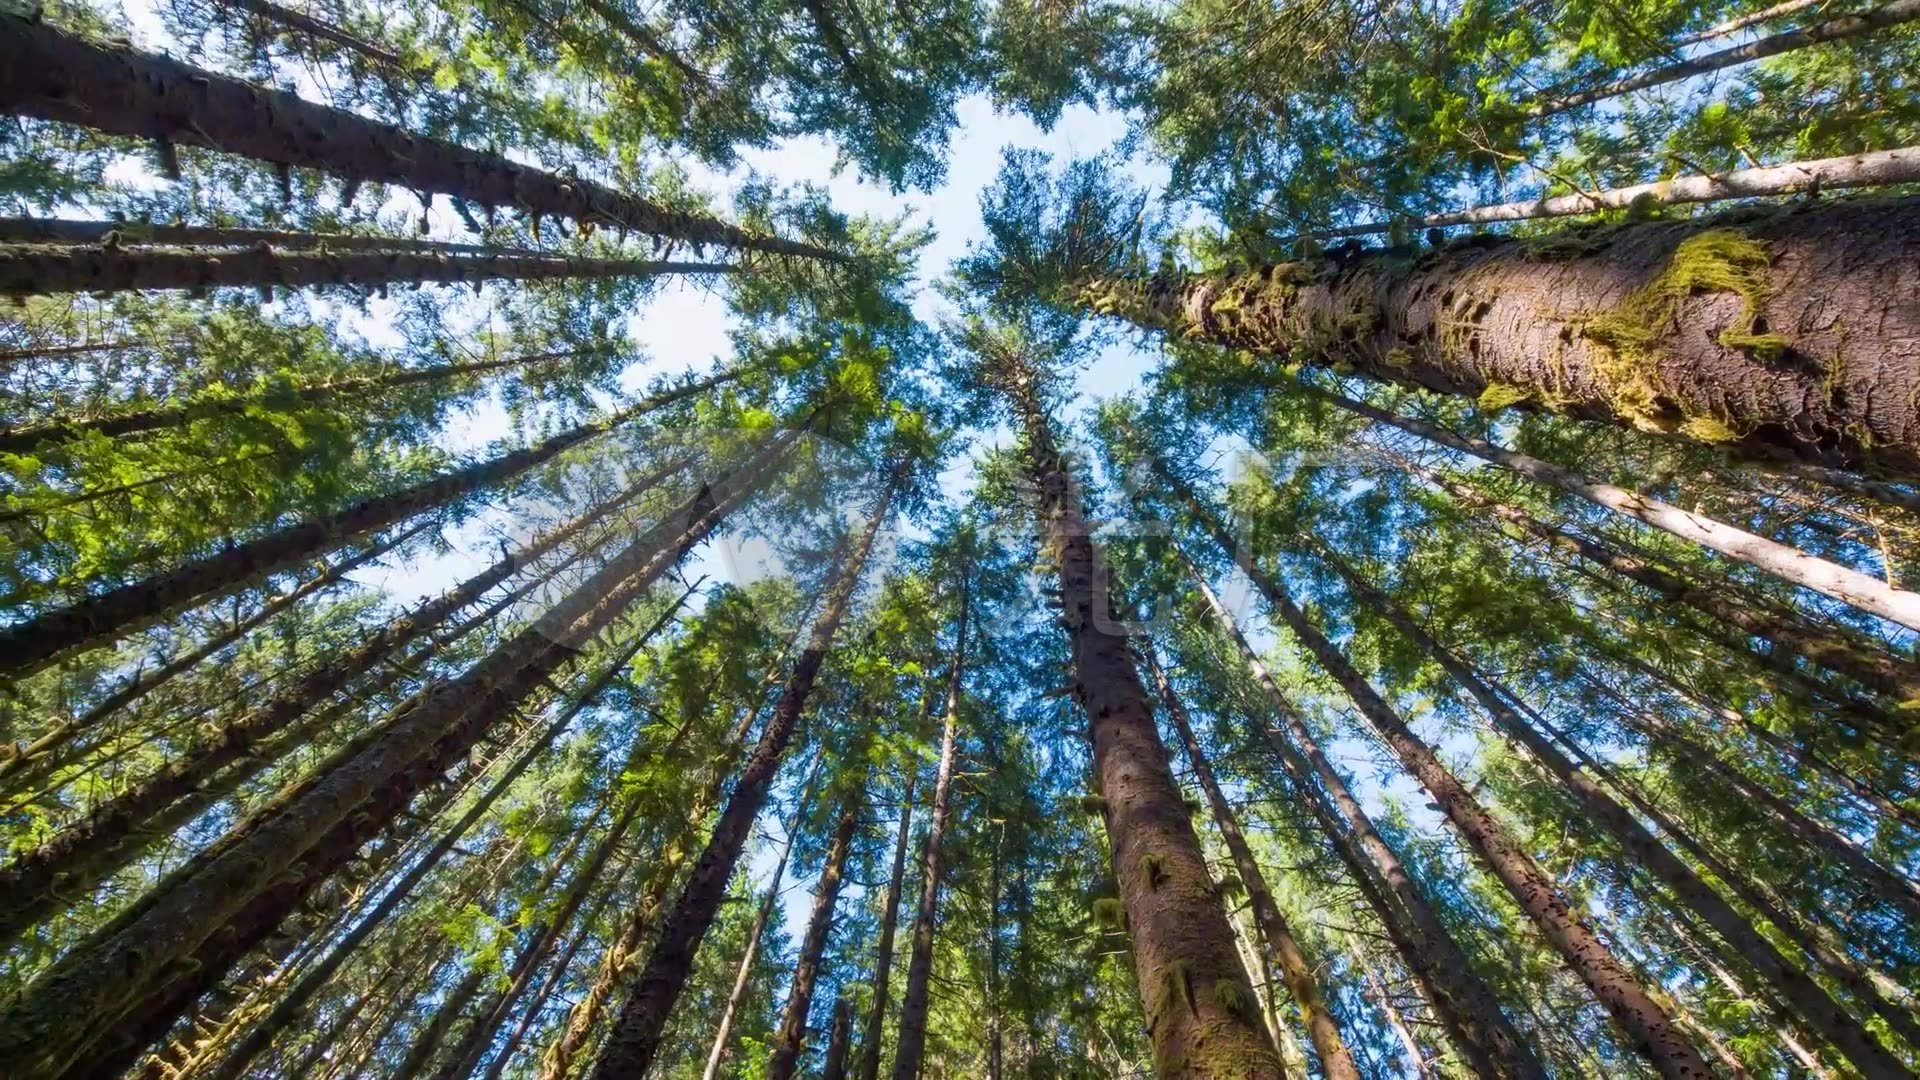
(1652, 1031)
(1199, 1004)
(51, 1023)
(52, 75)
(1748, 335)
(1336, 1061)
(35, 230)
(871, 1044)
(28, 646)
(790, 1039)
(838, 1043)
(1837, 28)
(41, 270)
(1464, 1002)
(1795, 567)
(1817, 1013)
(641, 1023)
(910, 1048)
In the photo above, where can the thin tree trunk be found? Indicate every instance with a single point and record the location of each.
(51, 1023)
(871, 1044)
(1374, 987)
(790, 1038)
(1881, 167)
(1837, 28)
(1652, 1031)
(1684, 327)
(1463, 1001)
(13, 356)
(1795, 567)
(171, 416)
(1754, 18)
(911, 1045)
(1820, 1015)
(838, 1042)
(306, 24)
(52, 75)
(41, 270)
(642, 1020)
(743, 974)
(1201, 1017)
(995, 1042)
(1336, 1061)
(102, 619)
(33, 230)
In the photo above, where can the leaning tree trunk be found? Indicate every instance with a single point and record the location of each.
(790, 1038)
(1815, 1011)
(52, 75)
(1785, 334)
(41, 270)
(1199, 1004)
(117, 830)
(257, 880)
(875, 1034)
(1789, 564)
(1464, 1002)
(28, 646)
(912, 1043)
(1837, 28)
(298, 23)
(641, 1024)
(1336, 1061)
(1653, 1032)
(26, 438)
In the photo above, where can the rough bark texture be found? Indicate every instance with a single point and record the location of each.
(641, 1023)
(53, 75)
(1781, 331)
(1650, 1028)
(910, 1048)
(117, 974)
(1202, 1019)
(38, 270)
(868, 1067)
(28, 646)
(790, 1039)
(1789, 564)
(1820, 1015)
(1336, 1061)
(1474, 1020)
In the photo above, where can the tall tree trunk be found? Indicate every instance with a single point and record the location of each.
(790, 1038)
(102, 619)
(1835, 650)
(839, 1041)
(743, 973)
(22, 439)
(117, 830)
(1683, 326)
(41, 270)
(1652, 1031)
(1336, 1061)
(868, 1067)
(641, 1023)
(52, 75)
(1816, 1012)
(1375, 988)
(50, 1023)
(1874, 169)
(33, 230)
(1463, 1001)
(1837, 28)
(912, 1043)
(1795, 567)
(995, 1041)
(1201, 1019)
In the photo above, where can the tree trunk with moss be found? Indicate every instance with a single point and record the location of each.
(109, 616)
(53, 75)
(1202, 1018)
(1650, 1028)
(641, 1023)
(1336, 1061)
(790, 1038)
(1817, 1013)
(302, 835)
(1464, 1003)
(1778, 334)
(910, 1048)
